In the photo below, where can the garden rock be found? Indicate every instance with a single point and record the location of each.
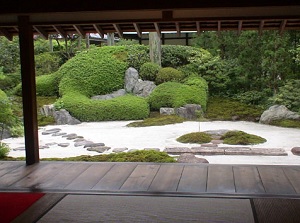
(69, 135)
(119, 150)
(63, 144)
(94, 145)
(59, 134)
(190, 158)
(5, 135)
(115, 94)
(277, 112)
(99, 149)
(82, 143)
(167, 111)
(216, 134)
(155, 149)
(296, 151)
(189, 111)
(143, 88)
(51, 131)
(131, 77)
(63, 117)
(47, 110)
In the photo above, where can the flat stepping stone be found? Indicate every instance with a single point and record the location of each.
(190, 158)
(99, 149)
(63, 144)
(59, 134)
(80, 140)
(119, 150)
(44, 147)
(19, 149)
(49, 132)
(51, 144)
(94, 145)
(296, 151)
(155, 149)
(207, 151)
(132, 150)
(177, 150)
(82, 143)
(69, 135)
(256, 151)
(209, 145)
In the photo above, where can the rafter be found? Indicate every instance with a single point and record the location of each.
(41, 32)
(177, 28)
(261, 26)
(240, 26)
(137, 29)
(61, 31)
(99, 30)
(198, 28)
(7, 34)
(282, 26)
(157, 28)
(79, 30)
(118, 29)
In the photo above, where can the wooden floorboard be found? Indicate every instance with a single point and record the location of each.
(202, 179)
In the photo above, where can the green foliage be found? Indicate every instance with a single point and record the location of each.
(169, 74)
(46, 63)
(253, 97)
(137, 55)
(9, 57)
(287, 123)
(17, 130)
(7, 119)
(195, 137)
(225, 108)
(4, 150)
(136, 156)
(241, 138)
(93, 72)
(126, 107)
(149, 71)
(158, 121)
(174, 55)
(45, 120)
(47, 85)
(8, 81)
(125, 42)
(172, 94)
(288, 95)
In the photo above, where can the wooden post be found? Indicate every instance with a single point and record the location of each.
(28, 90)
(155, 48)
(110, 39)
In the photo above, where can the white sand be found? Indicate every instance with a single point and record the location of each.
(116, 135)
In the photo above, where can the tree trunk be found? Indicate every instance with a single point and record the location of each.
(155, 48)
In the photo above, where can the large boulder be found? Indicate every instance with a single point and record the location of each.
(277, 112)
(131, 77)
(189, 111)
(143, 88)
(63, 117)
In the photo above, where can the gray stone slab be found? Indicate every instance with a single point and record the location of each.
(255, 151)
(119, 150)
(177, 150)
(207, 151)
(99, 149)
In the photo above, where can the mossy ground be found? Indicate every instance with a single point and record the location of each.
(241, 138)
(136, 156)
(288, 123)
(158, 120)
(195, 137)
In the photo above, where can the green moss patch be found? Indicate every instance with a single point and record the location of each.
(287, 123)
(195, 137)
(158, 121)
(241, 138)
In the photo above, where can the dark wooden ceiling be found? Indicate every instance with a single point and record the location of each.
(90, 16)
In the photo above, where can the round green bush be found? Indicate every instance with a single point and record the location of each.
(149, 71)
(47, 85)
(126, 107)
(172, 94)
(195, 137)
(169, 74)
(241, 138)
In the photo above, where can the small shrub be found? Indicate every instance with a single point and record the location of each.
(241, 138)
(137, 56)
(4, 150)
(174, 95)
(169, 74)
(158, 121)
(17, 130)
(46, 63)
(47, 85)
(174, 55)
(195, 137)
(149, 71)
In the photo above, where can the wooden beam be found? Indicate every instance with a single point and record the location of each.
(41, 32)
(118, 29)
(157, 28)
(99, 30)
(282, 26)
(137, 29)
(198, 28)
(261, 26)
(240, 25)
(61, 31)
(28, 90)
(7, 34)
(177, 28)
(79, 30)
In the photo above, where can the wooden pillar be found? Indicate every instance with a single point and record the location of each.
(28, 90)
(155, 48)
(110, 39)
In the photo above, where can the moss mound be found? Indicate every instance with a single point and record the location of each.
(174, 95)
(158, 121)
(241, 138)
(287, 123)
(195, 137)
(136, 156)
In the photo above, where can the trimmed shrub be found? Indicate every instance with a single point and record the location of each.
(195, 137)
(149, 71)
(169, 74)
(172, 94)
(174, 55)
(47, 85)
(137, 55)
(127, 107)
(241, 138)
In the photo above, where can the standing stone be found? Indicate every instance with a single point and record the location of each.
(189, 111)
(47, 110)
(63, 117)
(131, 78)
